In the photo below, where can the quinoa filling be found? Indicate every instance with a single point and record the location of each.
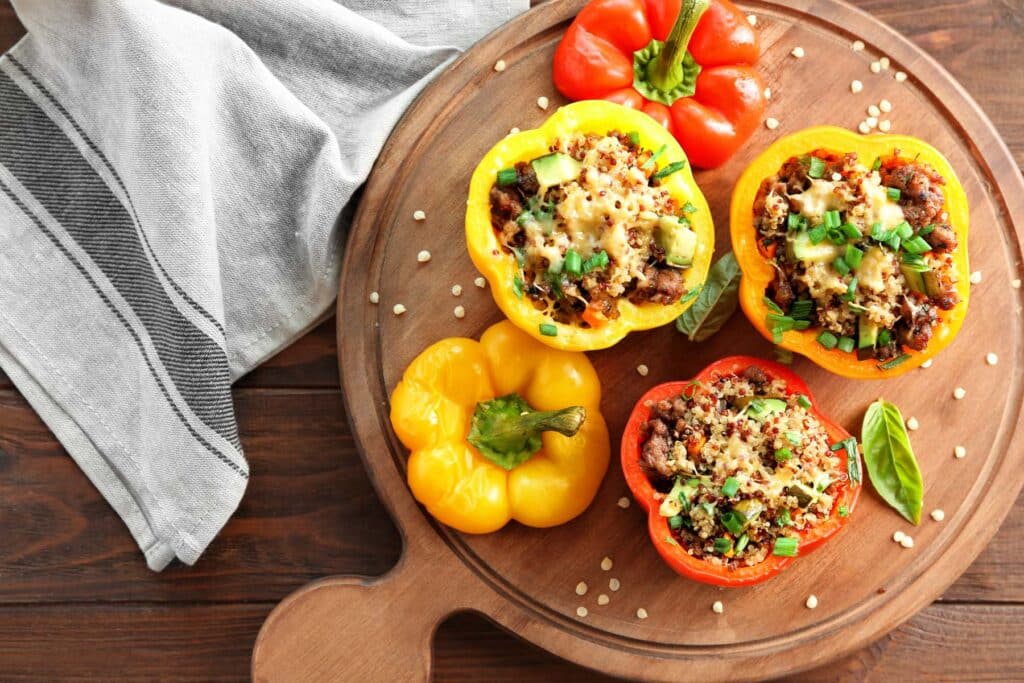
(742, 468)
(862, 254)
(589, 225)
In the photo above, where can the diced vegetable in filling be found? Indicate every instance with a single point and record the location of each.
(743, 467)
(590, 225)
(863, 255)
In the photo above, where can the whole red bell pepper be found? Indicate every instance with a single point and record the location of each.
(686, 63)
(674, 554)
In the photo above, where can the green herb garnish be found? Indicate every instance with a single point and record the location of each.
(890, 460)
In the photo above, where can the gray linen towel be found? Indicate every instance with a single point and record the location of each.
(171, 180)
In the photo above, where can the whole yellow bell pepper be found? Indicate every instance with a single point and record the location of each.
(500, 429)
(758, 270)
(500, 267)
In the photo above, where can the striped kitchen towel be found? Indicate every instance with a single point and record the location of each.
(172, 185)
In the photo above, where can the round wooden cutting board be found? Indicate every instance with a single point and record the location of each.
(347, 628)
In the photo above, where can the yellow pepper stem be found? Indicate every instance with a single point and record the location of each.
(507, 431)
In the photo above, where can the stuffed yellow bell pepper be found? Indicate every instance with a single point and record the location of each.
(500, 429)
(589, 227)
(853, 249)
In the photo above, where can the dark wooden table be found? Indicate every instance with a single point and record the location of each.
(77, 602)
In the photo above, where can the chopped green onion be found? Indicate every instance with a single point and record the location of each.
(850, 230)
(890, 364)
(741, 543)
(816, 234)
(785, 546)
(904, 230)
(836, 236)
(846, 344)
(803, 401)
(856, 308)
(784, 519)
(794, 437)
(507, 176)
(853, 256)
(827, 339)
(801, 324)
(801, 310)
(634, 137)
(548, 330)
(654, 157)
(730, 487)
(917, 245)
(884, 337)
(517, 286)
(915, 262)
(817, 168)
(783, 454)
(691, 295)
(926, 229)
(893, 193)
(689, 208)
(596, 261)
(893, 241)
(669, 170)
(831, 219)
(772, 306)
(840, 265)
(723, 545)
(843, 511)
(795, 221)
(878, 233)
(675, 522)
(851, 290)
(573, 263)
(524, 218)
(877, 165)
(733, 522)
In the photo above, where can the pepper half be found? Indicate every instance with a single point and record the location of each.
(674, 554)
(499, 429)
(758, 270)
(500, 267)
(687, 63)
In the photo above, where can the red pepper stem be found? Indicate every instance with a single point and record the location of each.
(666, 72)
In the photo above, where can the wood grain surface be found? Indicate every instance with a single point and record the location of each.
(77, 602)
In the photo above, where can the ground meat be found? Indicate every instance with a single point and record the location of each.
(756, 375)
(505, 205)
(526, 179)
(920, 189)
(915, 326)
(662, 286)
(781, 291)
(657, 450)
(941, 238)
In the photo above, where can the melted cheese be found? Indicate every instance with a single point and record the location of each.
(879, 208)
(820, 197)
(872, 270)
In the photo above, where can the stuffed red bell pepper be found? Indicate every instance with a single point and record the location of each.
(738, 471)
(689, 64)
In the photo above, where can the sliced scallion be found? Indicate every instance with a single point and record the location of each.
(783, 454)
(846, 344)
(517, 286)
(877, 164)
(843, 511)
(784, 519)
(816, 168)
(573, 264)
(898, 360)
(785, 546)
(795, 221)
(851, 231)
(926, 229)
(853, 256)
(689, 208)
(723, 545)
(772, 306)
(548, 330)
(730, 487)
(742, 542)
(732, 522)
(828, 340)
(801, 309)
(817, 234)
(654, 157)
(675, 522)
(669, 170)
(916, 245)
(884, 337)
(634, 137)
(794, 437)
(851, 290)
(904, 230)
(893, 193)
(831, 219)
(803, 401)
(841, 266)
(507, 176)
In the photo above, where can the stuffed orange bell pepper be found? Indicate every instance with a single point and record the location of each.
(687, 63)
(589, 227)
(853, 250)
(499, 429)
(738, 471)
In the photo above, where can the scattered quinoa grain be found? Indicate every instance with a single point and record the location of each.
(912, 423)
(456, 290)
(884, 62)
(885, 106)
(836, 177)
(614, 584)
(581, 588)
(900, 76)
(771, 123)
(798, 52)
(398, 309)
(927, 363)
(460, 312)
(812, 601)
(623, 502)
(858, 45)
(752, 19)
(907, 542)
(603, 599)
(938, 515)
(499, 65)
(871, 121)
(513, 130)
(374, 297)
(873, 110)
(899, 536)
(423, 256)
(1015, 283)
(717, 607)
(991, 358)
(642, 370)
(641, 613)
(856, 86)
(767, 93)
(885, 125)
(959, 452)
(419, 215)
(480, 282)
(875, 67)
(959, 393)
(542, 102)
(863, 127)
(976, 277)
(581, 611)
(606, 564)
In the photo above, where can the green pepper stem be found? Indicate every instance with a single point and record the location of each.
(566, 422)
(507, 431)
(666, 72)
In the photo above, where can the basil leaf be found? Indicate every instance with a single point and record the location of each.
(890, 461)
(715, 304)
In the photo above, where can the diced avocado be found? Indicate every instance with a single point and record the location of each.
(758, 408)
(932, 284)
(915, 279)
(678, 241)
(749, 509)
(802, 249)
(555, 168)
(867, 333)
(804, 494)
(679, 498)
